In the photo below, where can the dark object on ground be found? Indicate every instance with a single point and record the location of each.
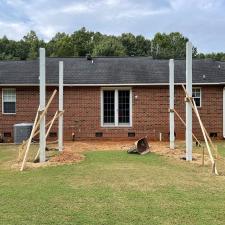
(184, 158)
(141, 147)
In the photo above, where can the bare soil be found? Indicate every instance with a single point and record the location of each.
(73, 151)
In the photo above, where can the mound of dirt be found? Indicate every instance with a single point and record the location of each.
(67, 156)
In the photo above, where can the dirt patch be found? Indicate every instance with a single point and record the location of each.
(74, 151)
(99, 145)
(162, 148)
(67, 156)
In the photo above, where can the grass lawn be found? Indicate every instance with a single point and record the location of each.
(111, 188)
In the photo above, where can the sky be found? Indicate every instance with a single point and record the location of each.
(202, 21)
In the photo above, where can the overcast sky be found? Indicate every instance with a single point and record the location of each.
(202, 21)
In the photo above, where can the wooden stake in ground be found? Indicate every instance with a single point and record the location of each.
(203, 156)
(48, 131)
(45, 111)
(182, 121)
(194, 107)
(213, 146)
(29, 141)
(21, 150)
(35, 127)
(38, 131)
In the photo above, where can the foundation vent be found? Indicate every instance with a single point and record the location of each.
(131, 134)
(53, 134)
(213, 135)
(98, 134)
(7, 134)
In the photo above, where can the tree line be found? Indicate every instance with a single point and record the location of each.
(83, 42)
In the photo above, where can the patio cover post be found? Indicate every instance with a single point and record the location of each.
(60, 128)
(42, 95)
(188, 103)
(171, 96)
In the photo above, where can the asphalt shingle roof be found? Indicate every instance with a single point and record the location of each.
(110, 70)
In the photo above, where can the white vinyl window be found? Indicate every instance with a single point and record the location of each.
(196, 95)
(9, 101)
(116, 107)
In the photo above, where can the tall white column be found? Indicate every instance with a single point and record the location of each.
(224, 112)
(42, 102)
(60, 129)
(188, 104)
(171, 78)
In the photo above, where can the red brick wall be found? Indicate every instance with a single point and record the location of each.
(150, 112)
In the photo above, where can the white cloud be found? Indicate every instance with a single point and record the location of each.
(76, 8)
(193, 4)
(13, 30)
(202, 21)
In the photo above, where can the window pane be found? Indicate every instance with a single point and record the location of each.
(9, 100)
(124, 107)
(109, 106)
(197, 102)
(196, 94)
(9, 95)
(9, 107)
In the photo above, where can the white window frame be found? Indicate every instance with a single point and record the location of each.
(3, 110)
(194, 88)
(116, 123)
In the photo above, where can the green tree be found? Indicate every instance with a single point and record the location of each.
(136, 45)
(143, 46)
(220, 56)
(31, 40)
(129, 42)
(171, 45)
(109, 46)
(61, 45)
(21, 50)
(82, 42)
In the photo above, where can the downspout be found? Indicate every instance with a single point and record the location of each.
(224, 112)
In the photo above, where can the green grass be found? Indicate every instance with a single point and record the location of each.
(111, 188)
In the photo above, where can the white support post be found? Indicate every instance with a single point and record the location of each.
(60, 129)
(116, 107)
(171, 78)
(224, 112)
(42, 103)
(188, 103)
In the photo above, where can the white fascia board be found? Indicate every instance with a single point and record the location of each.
(105, 85)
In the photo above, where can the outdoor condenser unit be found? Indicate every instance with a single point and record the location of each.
(22, 132)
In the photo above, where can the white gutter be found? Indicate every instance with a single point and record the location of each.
(106, 85)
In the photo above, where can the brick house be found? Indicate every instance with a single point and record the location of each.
(113, 97)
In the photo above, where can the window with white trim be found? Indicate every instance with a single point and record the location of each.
(9, 101)
(196, 95)
(116, 105)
